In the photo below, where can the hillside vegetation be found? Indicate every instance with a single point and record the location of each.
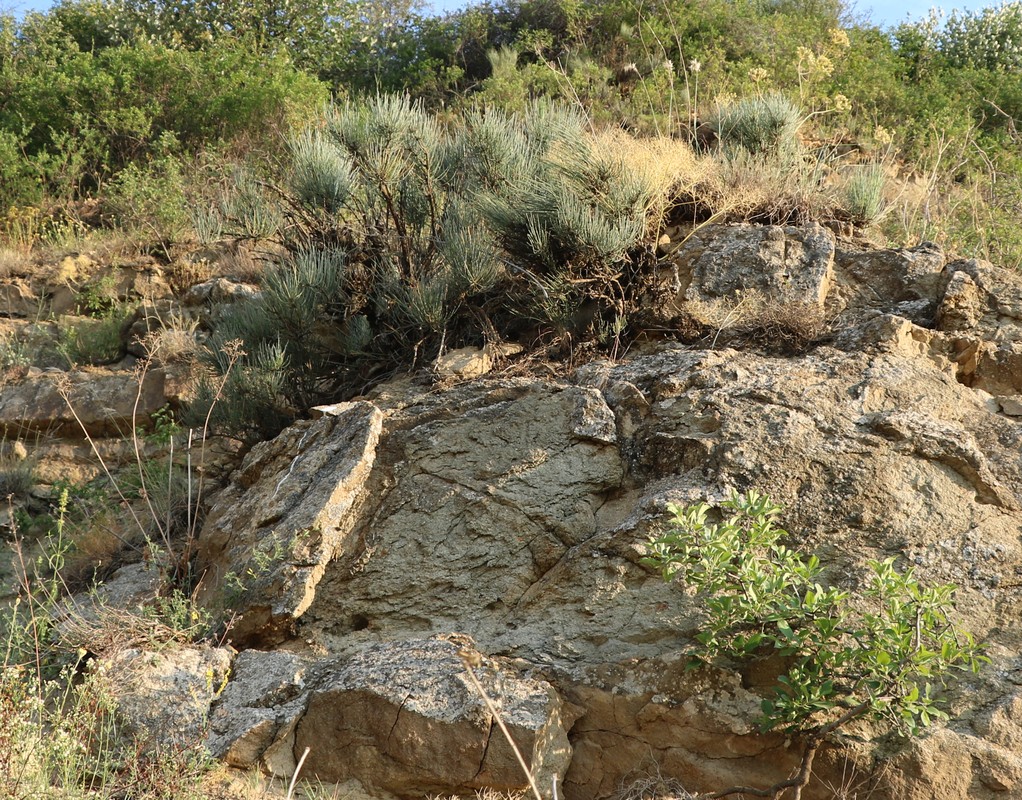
(421, 183)
(149, 107)
(378, 187)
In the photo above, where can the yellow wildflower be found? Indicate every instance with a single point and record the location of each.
(838, 38)
(841, 103)
(757, 74)
(882, 136)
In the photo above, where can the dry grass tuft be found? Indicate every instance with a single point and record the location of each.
(14, 263)
(185, 273)
(654, 787)
(768, 188)
(668, 167)
(242, 264)
(105, 629)
(173, 339)
(752, 319)
(99, 549)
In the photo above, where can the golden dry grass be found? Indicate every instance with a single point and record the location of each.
(668, 167)
(753, 319)
(719, 187)
(14, 263)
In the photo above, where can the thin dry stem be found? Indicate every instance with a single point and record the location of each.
(64, 389)
(492, 708)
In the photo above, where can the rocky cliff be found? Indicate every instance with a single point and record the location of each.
(389, 542)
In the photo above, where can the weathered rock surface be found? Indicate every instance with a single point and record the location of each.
(784, 264)
(103, 401)
(405, 717)
(19, 299)
(253, 722)
(163, 695)
(514, 512)
(268, 539)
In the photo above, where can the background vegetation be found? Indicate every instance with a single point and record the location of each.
(420, 183)
(163, 87)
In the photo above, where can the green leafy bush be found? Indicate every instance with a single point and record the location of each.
(883, 652)
(148, 200)
(92, 341)
(78, 114)
(990, 38)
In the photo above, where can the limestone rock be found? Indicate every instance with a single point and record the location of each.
(103, 401)
(130, 588)
(405, 717)
(510, 477)
(464, 363)
(998, 302)
(19, 299)
(517, 512)
(906, 282)
(936, 768)
(218, 291)
(253, 721)
(268, 539)
(76, 268)
(1012, 406)
(962, 305)
(163, 696)
(785, 264)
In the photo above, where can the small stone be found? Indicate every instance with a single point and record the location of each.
(503, 349)
(464, 363)
(1011, 405)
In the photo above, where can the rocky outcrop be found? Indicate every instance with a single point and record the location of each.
(163, 695)
(371, 552)
(272, 533)
(253, 722)
(99, 402)
(405, 717)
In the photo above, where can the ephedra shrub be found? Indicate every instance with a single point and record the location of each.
(406, 237)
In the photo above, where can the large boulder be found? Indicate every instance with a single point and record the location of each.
(253, 721)
(786, 264)
(408, 718)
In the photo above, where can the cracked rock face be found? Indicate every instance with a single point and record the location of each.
(405, 717)
(514, 512)
(252, 722)
(267, 541)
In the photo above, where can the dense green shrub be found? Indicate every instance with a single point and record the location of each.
(358, 47)
(149, 199)
(990, 38)
(78, 116)
(883, 654)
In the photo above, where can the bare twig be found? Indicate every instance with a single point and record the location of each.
(467, 658)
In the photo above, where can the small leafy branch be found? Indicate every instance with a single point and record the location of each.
(881, 654)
